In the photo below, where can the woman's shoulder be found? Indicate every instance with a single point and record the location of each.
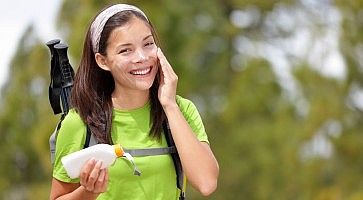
(70, 138)
(193, 117)
(71, 123)
(182, 102)
(73, 118)
(185, 105)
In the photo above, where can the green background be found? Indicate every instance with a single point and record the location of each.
(280, 123)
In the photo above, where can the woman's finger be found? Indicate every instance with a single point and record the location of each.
(105, 183)
(169, 75)
(165, 65)
(161, 73)
(86, 170)
(100, 181)
(93, 177)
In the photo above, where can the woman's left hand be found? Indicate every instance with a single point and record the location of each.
(168, 81)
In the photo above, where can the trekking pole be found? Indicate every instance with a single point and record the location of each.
(67, 75)
(56, 78)
(61, 82)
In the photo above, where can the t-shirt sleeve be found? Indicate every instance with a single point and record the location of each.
(193, 118)
(70, 138)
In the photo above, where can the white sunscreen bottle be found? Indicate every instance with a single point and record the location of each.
(74, 162)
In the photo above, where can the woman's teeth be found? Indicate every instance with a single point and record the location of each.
(141, 71)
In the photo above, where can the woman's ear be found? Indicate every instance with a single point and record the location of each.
(101, 61)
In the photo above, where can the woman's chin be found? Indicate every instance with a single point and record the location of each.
(144, 85)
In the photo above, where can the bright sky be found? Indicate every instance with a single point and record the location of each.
(15, 16)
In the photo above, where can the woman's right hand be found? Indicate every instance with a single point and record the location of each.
(93, 178)
(93, 182)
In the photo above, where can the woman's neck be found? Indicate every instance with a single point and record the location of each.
(129, 100)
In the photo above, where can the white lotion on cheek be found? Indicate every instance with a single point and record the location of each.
(154, 52)
(74, 162)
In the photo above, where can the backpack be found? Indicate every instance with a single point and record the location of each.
(61, 83)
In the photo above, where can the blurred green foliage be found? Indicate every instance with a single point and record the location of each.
(278, 133)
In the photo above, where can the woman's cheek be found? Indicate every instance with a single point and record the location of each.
(121, 65)
(153, 52)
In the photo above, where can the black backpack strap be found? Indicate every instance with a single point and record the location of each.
(176, 160)
(88, 138)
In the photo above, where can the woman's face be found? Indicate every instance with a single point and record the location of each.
(131, 56)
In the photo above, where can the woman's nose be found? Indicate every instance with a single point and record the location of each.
(140, 56)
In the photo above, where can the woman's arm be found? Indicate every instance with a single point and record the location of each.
(93, 181)
(199, 164)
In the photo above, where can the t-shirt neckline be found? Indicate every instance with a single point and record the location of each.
(135, 110)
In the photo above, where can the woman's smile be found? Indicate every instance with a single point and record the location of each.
(141, 71)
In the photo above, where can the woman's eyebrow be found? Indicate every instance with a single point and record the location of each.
(145, 38)
(129, 44)
(126, 44)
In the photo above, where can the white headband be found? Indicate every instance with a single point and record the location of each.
(100, 21)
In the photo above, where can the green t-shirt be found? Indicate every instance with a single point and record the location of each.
(131, 130)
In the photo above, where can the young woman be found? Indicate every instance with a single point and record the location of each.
(123, 91)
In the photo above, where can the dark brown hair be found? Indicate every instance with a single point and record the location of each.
(93, 86)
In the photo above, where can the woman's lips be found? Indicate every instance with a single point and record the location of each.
(140, 72)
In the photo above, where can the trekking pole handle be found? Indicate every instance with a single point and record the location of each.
(51, 45)
(66, 69)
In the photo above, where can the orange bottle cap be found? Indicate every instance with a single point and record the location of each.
(118, 150)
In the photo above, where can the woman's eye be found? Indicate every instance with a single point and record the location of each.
(124, 51)
(149, 43)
